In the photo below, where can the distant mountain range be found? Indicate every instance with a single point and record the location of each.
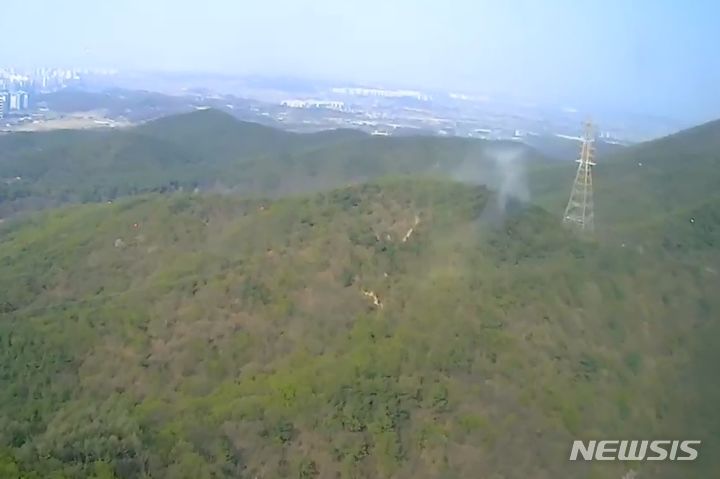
(209, 149)
(391, 111)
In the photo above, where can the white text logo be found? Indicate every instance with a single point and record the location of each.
(634, 450)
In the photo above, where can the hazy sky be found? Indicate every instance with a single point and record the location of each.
(654, 56)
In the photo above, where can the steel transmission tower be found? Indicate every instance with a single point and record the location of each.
(579, 212)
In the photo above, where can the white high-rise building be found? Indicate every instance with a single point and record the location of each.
(14, 102)
(24, 100)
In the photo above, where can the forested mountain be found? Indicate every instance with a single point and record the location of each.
(675, 175)
(400, 327)
(212, 150)
(648, 189)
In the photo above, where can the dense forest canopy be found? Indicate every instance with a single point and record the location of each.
(340, 305)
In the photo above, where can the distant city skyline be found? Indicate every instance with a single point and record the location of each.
(655, 57)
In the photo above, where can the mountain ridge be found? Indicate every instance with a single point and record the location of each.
(213, 150)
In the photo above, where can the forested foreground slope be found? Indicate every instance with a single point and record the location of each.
(401, 328)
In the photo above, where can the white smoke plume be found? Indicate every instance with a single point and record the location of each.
(511, 174)
(504, 170)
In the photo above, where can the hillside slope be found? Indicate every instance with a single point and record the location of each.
(645, 192)
(212, 150)
(394, 329)
(669, 175)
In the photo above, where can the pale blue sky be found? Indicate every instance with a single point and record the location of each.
(653, 56)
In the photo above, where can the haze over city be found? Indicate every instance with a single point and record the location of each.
(651, 57)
